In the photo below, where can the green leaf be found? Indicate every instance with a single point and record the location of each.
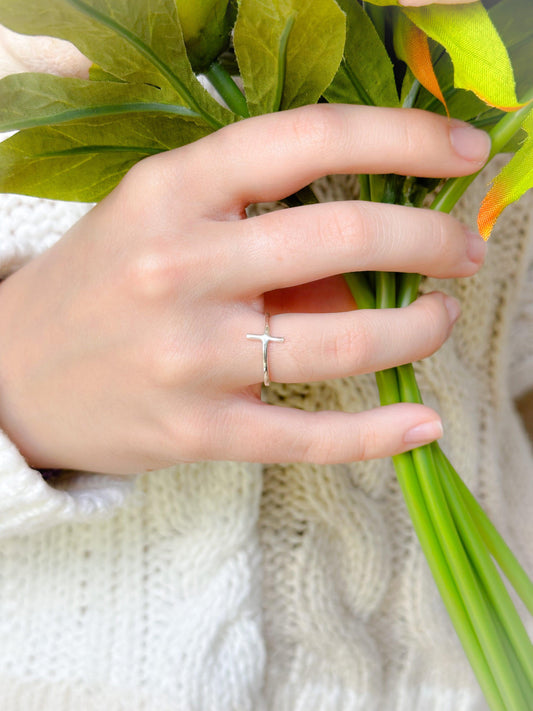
(84, 160)
(288, 51)
(135, 40)
(510, 184)
(366, 74)
(30, 100)
(480, 60)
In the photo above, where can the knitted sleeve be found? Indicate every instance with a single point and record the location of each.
(28, 502)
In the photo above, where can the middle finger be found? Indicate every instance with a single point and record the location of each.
(303, 244)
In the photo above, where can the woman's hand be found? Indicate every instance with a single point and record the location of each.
(124, 346)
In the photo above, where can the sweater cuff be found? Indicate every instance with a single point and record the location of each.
(29, 504)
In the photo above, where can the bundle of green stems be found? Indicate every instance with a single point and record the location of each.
(461, 545)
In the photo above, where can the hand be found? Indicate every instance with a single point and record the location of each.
(124, 346)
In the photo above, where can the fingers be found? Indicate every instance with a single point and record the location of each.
(268, 157)
(323, 346)
(264, 433)
(267, 252)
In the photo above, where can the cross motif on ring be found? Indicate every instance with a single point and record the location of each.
(265, 339)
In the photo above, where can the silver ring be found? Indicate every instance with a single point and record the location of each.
(265, 339)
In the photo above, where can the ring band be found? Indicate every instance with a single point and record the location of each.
(265, 339)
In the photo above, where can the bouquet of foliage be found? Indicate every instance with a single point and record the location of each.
(76, 139)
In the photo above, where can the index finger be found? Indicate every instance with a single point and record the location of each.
(268, 157)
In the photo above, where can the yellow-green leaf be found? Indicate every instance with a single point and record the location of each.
(480, 59)
(29, 100)
(510, 184)
(83, 160)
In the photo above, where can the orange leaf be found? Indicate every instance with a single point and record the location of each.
(513, 181)
(491, 208)
(412, 45)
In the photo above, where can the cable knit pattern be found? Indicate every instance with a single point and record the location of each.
(236, 587)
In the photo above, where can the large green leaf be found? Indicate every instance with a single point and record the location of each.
(30, 100)
(366, 74)
(84, 160)
(288, 51)
(480, 59)
(139, 41)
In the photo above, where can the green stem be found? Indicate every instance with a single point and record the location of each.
(469, 590)
(408, 473)
(486, 570)
(496, 545)
(364, 187)
(227, 88)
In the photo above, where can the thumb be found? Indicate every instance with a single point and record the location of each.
(24, 53)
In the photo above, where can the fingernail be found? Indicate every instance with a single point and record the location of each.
(424, 433)
(452, 307)
(476, 247)
(469, 142)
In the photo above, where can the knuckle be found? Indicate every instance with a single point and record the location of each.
(350, 349)
(143, 182)
(437, 324)
(442, 228)
(154, 271)
(366, 443)
(408, 138)
(182, 436)
(174, 364)
(320, 448)
(340, 224)
(313, 127)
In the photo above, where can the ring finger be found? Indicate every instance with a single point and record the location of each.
(324, 346)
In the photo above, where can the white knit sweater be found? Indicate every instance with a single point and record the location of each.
(236, 587)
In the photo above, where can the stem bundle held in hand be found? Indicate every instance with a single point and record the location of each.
(77, 138)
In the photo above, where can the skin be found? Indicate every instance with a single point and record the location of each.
(138, 354)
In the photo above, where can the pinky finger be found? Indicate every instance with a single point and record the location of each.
(268, 433)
